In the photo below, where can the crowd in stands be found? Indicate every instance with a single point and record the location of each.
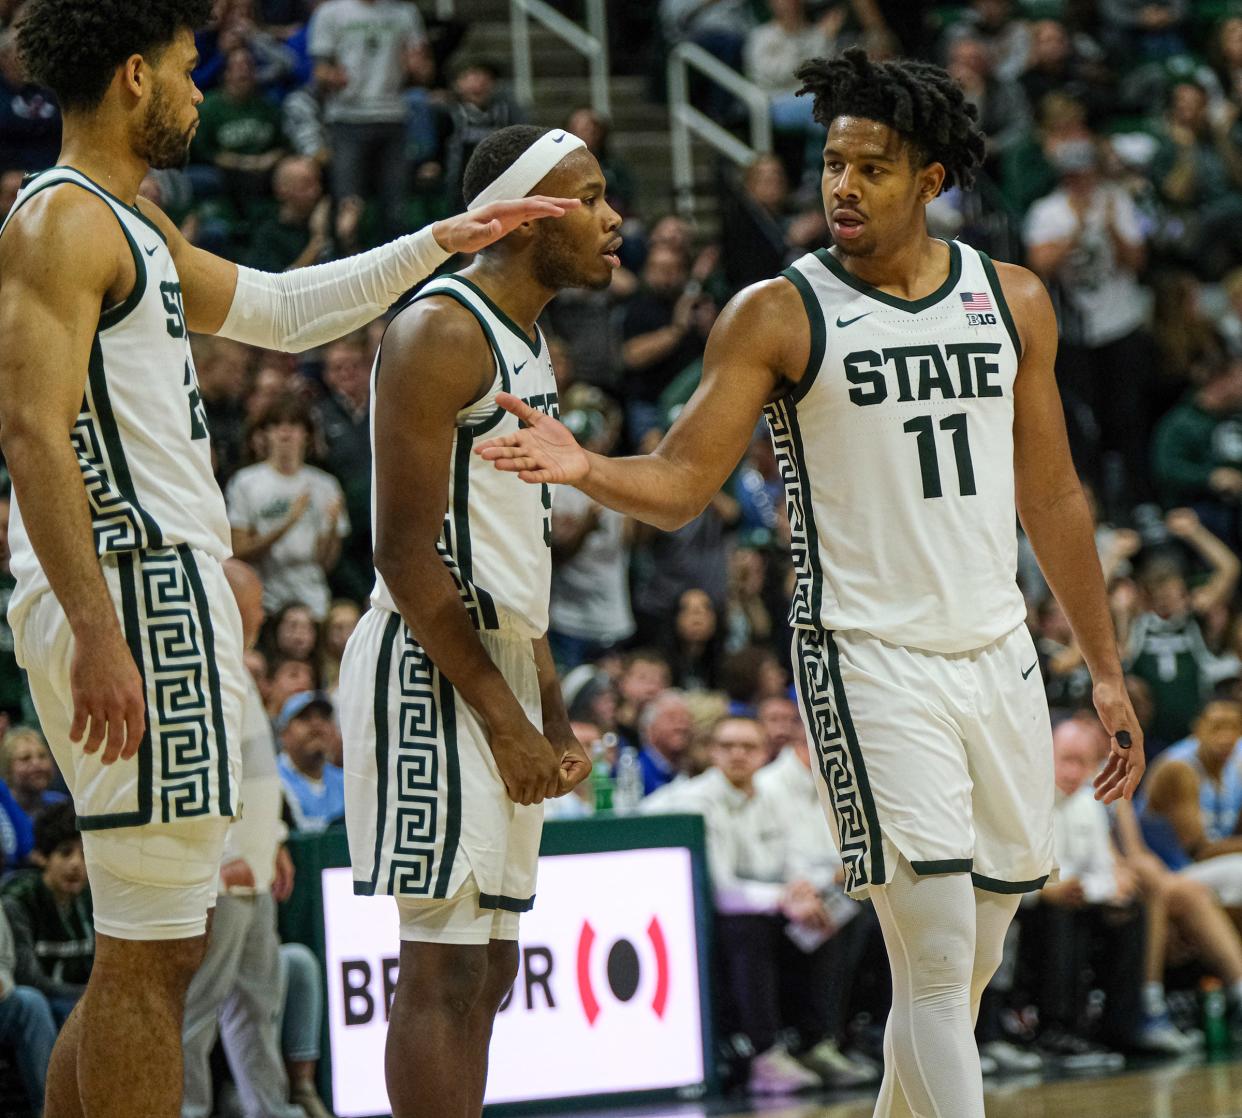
(1114, 171)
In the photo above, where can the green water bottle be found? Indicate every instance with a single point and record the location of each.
(1215, 1016)
(601, 776)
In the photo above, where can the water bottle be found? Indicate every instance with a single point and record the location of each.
(629, 787)
(1215, 1016)
(601, 776)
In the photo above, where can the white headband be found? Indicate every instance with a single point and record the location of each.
(533, 164)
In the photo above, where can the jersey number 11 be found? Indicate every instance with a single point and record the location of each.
(929, 459)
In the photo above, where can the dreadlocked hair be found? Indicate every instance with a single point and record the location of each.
(916, 99)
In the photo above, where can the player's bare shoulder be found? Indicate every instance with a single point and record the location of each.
(765, 326)
(1028, 302)
(438, 340)
(45, 237)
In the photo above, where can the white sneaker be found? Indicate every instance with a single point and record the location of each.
(1159, 1034)
(1009, 1057)
(837, 1069)
(776, 1072)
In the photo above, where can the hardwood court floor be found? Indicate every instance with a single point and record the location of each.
(1168, 1091)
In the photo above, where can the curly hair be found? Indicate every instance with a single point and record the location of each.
(75, 46)
(57, 825)
(916, 99)
(495, 155)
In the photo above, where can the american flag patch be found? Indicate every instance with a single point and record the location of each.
(976, 302)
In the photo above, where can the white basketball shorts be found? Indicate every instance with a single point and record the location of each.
(945, 759)
(428, 817)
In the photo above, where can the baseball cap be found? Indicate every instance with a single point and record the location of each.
(300, 704)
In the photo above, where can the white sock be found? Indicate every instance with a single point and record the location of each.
(1154, 1004)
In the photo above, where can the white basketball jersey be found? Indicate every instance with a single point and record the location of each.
(896, 449)
(497, 529)
(141, 438)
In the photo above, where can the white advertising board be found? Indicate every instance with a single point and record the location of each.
(607, 998)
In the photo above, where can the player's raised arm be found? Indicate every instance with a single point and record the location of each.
(1056, 518)
(298, 310)
(761, 339)
(434, 363)
(50, 297)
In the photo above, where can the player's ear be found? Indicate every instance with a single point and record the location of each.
(931, 181)
(135, 76)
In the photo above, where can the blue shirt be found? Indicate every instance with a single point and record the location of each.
(657, 772)
(1221, 804)
(16, 830)
(315, 804)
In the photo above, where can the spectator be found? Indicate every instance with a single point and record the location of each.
(593, 129)
(695, 645)
(590, 610)
(1187, 907)
(14, 697)
(314, 787)
(1067, 680)
(301, 120)
(49, 910)
(239, 135)
(344, 416)
(1226, 54)
(763, 234)
(660, 336)
(1166, 645)
(238, 989)
(1193, 802)
(289, 677)
(342, 619)
(757, 898)
(1091, 915)
(288, 518)
(1140, 29)
(294, 633)
(26, 1021)
(718, 26)
(781, 724)
(29, 118)
(1197, 453)
(223, 370)
(1198, 173)
(16, 831)
(27, 767)
(477, 109)
(297, 236)
(748, 619)
(365, 52)
(664, 726)
(1003, 33)
(236, 28)
(812, 856)
(1004, 115)
(1066, 62)
(1085, 240)
(1188, 342)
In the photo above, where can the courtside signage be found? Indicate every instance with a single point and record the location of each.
(607, 998)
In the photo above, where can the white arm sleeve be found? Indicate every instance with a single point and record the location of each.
(295, 311)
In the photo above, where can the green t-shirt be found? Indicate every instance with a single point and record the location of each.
(249, 127)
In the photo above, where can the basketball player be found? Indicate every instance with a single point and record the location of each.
(451, 713)
(121, 613)
(909, 387)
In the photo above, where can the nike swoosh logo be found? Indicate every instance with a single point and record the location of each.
(518, 368)
(151, 251)
(1030, 669)
(559, 139)
(850, 322)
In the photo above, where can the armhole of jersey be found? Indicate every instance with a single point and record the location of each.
(108, 316)
(819, 333)
(503, 371)
(1006, 317)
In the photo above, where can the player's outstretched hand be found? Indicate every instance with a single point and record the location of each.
(1126, 760)
(109, 703)
(529, 764)
(479, 228)
(543, 452)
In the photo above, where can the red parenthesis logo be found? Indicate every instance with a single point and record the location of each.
(586, 990)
